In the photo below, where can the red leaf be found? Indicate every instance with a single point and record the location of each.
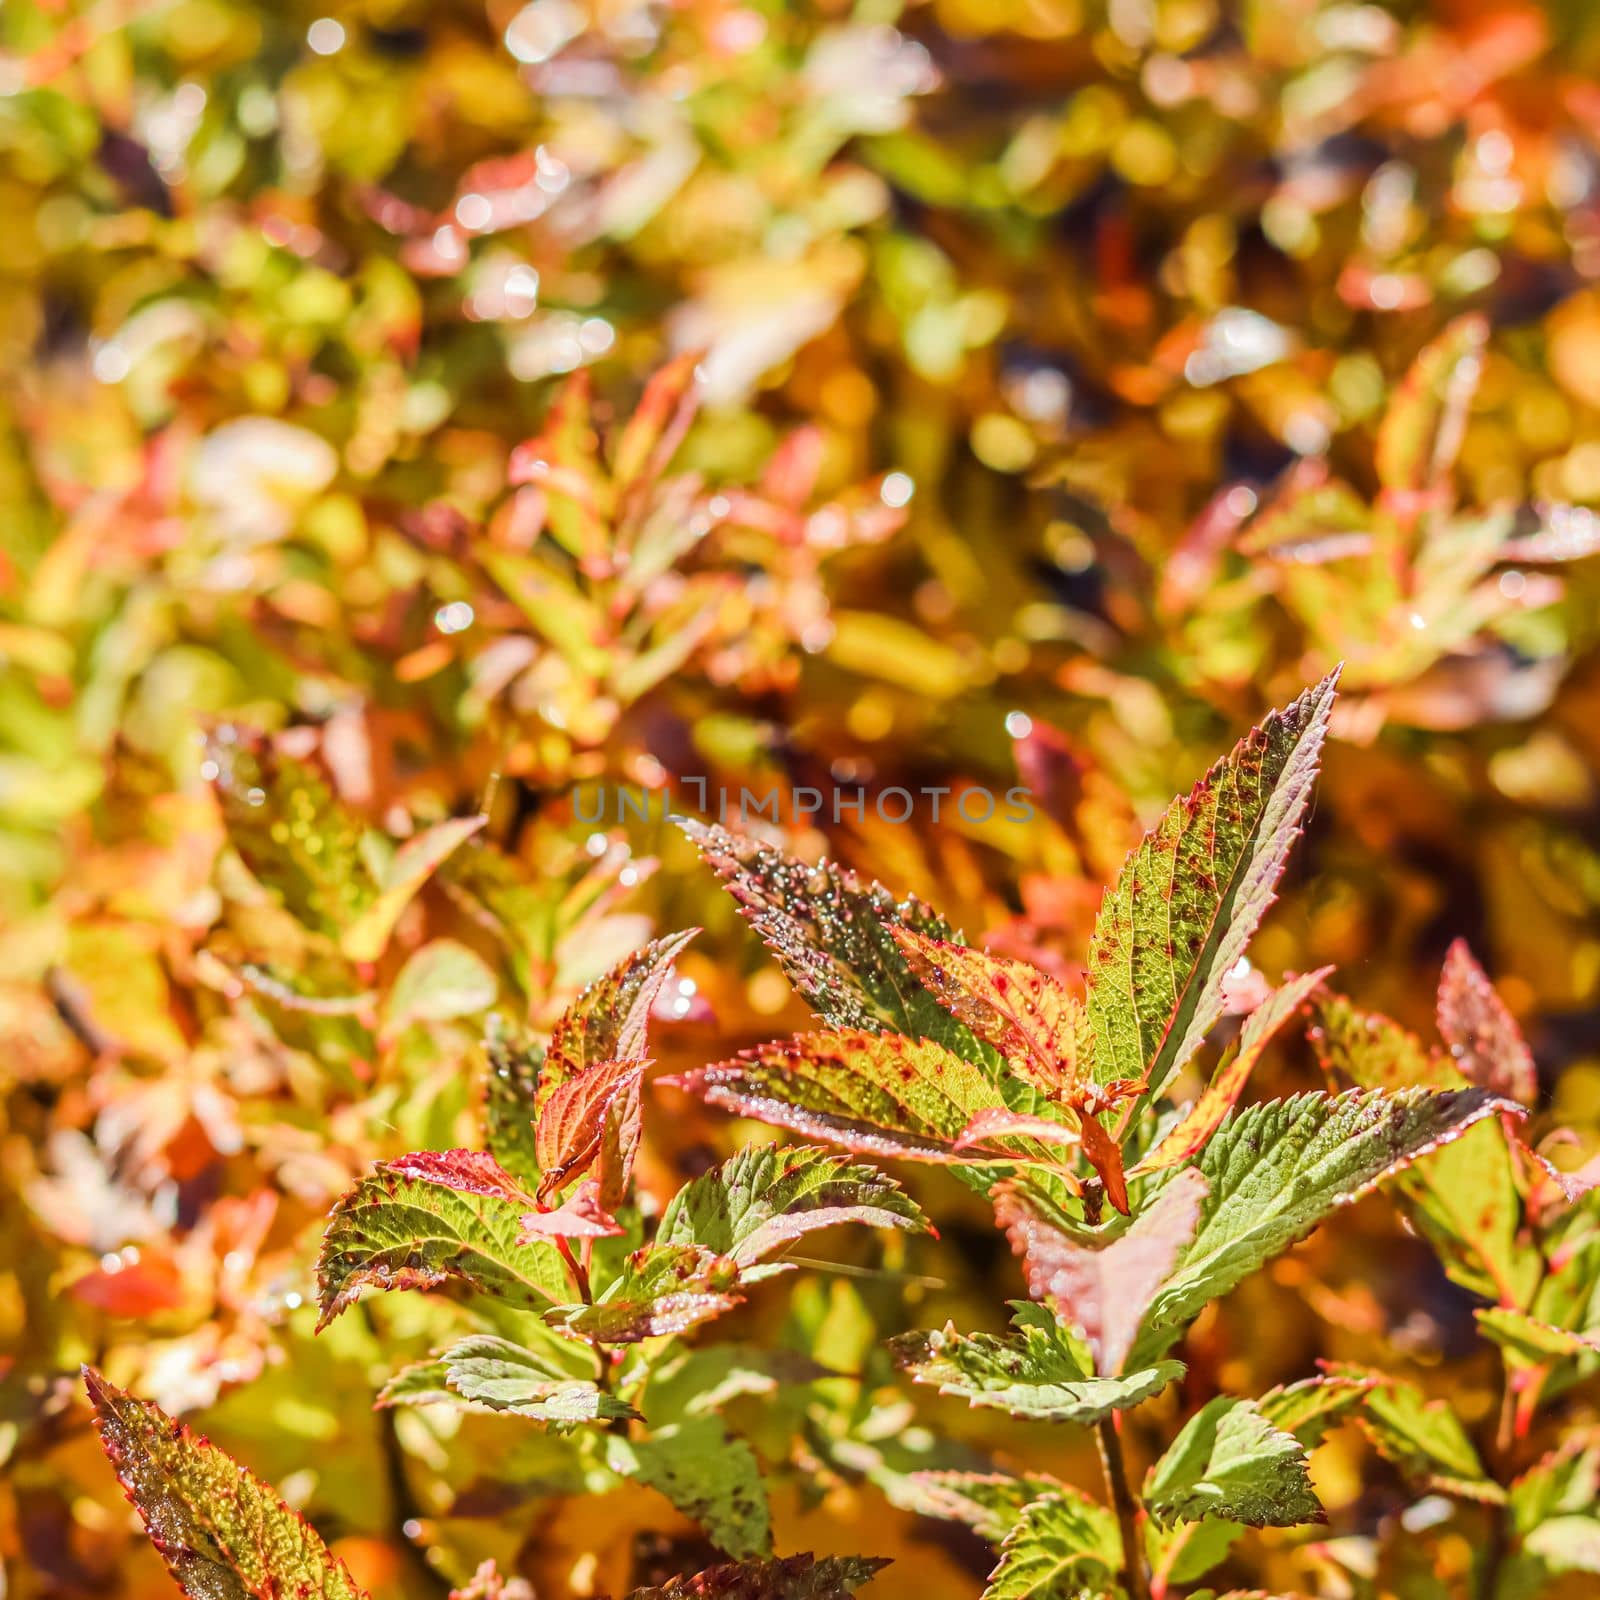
(579, 1216)
(1482, 1034)
(1104, 1292)
(567, 1138)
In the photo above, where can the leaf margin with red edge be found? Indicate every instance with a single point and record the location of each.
(125, 1423)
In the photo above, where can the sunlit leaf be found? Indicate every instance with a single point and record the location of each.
(1060, 1548)
(768, 1195)
(431, 1217)
(666, 1288)
(1229, 1461)
(1035, 1371)
(1104, 1292)
(1485, 1041)
(1277, 1169)
(1193, 893)
(222, 1532)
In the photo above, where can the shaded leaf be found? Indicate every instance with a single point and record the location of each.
(431, 1217)
(510, 1092)
(1192, 894)
(1104, 1292)
(787, 1578)
(710, 1476)
(1464, 1199)
(1035, 1371)
(364, 938)
(1061, 1548)
(1423, 1437)
(1229, 1461)
(223, 1534)
(441, 981)
(768, 1195)
(990, 1503)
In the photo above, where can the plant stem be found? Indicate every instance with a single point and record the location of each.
(1127, 1507)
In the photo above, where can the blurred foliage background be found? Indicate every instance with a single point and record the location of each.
(1049, 387)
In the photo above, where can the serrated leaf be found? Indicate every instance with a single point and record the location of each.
(1564, 1481)
(1423, 1438)
(1060, 1548)
(829, 930)
(498, 1375)
(1278, 1168)
(431, 1217)
(441, 981)
(1464, 1200)
(876, 1093)
(1035, 1371)
(1485, 1041)
(1531, 1341)
(1103, 1292)
(1229, 1461)
(572, 1118)
(786, 1578)
(223, 1534)
(712, 1477)
(609, 1020)
(1193, 893)
(1188, 1137)
(1036, 1023)
(662, 1289)
(990, 1503)
(1309, 1408)
(509, 1099)
(365, 936)
(768, 1195)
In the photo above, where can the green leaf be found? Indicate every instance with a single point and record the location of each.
(430, 1217)
(1309, 1408)
(223, 1534)
(1423, 1437)
(662, 1289)
(1565, 1481)
(1278, 1168)
(1567, 1544)
(512, 1084)
(1193, 893)
(609, 1020)
(364, 938)
(694, 1383)
(1229, 1461)
(710, 1476)
(497, 1375)
(990, 1503)
(1037, 1371)
(877, 1093)
(1061, 1548)
(441, 981)
(1464, 1200)
(1189, 1135)
(1530, 1341)
(1189, 1550)
(1103, 1291)
(830, 932)
(786, 1578)
(769, 1195)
